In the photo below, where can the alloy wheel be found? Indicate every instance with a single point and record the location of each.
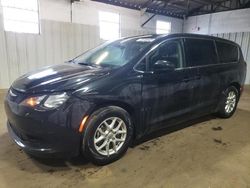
(230, 102)
(110, 136)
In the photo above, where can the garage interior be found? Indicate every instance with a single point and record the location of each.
(209, 152)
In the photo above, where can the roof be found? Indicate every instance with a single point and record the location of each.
(161, 37)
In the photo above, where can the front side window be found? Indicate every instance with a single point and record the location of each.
(200, 52)
(227, 52)
(109, 25)
(114, 54)
(170, 51)
(21, 16)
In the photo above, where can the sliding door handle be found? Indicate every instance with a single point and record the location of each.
(187, 79)
(198, 76)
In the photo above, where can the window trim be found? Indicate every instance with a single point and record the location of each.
(185, 67)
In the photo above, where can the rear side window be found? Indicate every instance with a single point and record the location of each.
(200, 52)
(227, 52)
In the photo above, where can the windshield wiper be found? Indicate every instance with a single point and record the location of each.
(70, 61)
(83, 63)
(88, 64)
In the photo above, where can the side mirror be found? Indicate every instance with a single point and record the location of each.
(163, 66)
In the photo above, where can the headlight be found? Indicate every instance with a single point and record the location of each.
(49, 102)
(54, 101)
(33, 101)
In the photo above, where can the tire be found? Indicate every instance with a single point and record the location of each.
(226, 111)
(97, 128)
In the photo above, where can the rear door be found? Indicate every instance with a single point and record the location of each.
(201, 55)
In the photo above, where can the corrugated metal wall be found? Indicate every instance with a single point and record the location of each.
(243, 39)
(57, 43)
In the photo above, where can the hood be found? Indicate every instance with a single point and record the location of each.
(67, 76)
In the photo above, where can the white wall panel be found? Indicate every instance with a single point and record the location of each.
(220, 22)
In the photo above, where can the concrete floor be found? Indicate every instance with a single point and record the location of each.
(211, 153)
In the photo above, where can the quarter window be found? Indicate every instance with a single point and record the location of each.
(227, 52)
(200, 52)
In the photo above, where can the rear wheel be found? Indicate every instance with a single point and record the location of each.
(108, 135)
(229, 102)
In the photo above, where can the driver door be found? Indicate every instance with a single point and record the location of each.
(167, 95)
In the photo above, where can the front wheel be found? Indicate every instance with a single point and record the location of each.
(108, 135)
(229, 102)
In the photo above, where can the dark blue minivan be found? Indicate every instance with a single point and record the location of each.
(99, 102)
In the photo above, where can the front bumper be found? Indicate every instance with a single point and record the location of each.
(33, 148)
(42, 149)
(47, 133)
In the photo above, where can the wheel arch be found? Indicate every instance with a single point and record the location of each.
(125, 106)
(220, 110)
(236, 85)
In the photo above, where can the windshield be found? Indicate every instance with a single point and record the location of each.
(116, 54)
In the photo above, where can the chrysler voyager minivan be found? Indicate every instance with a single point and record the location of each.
(99, 102)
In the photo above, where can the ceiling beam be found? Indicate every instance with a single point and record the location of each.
(171, 4)
(183, 9)
(146, 4)
(137, 7)
(176, 6)
(167, 4)
(213, 4)
(207, 3)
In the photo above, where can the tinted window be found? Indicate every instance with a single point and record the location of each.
(170, 51)
(200, 52)
(227, 52)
